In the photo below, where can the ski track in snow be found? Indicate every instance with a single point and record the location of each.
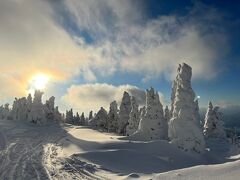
(29, 152)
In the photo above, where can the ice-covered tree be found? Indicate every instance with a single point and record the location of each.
(152, 124)
(50, 109)
(173, 94)
(82, 119)
(142, 112)
(90, 115)
(22, 112)
(196, 112)
(58, 116)
(37, 114)
(14, 112)
(167, 114)
(5, 112)
(29, 104)
(124, 112)
(100, 120)
(76, 119)
(69, 117)
(213, 126)
(133, 123)
(183, 130)
(113, 117)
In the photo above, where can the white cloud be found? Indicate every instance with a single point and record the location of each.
(152, 47)
(34, 39)
(88, 97)
(32, 42)
(100, 17)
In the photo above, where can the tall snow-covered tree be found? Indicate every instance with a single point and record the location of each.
(14, 112)
(69, 117)
(37, 114)
(90, 115)
(167, 114)
(124, 112)
(173, 95)
(133, 123)
(152, 125)
(29, 104)
(50, 109)
(5, 112)
(213, 126)
(22, 112)
(100, 120)
(76, 119)
(113, 117)
(142, 112)
(82, 120)
(183, 130)
(196, 112)
(58, 116)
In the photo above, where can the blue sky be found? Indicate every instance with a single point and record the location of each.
(97, 49)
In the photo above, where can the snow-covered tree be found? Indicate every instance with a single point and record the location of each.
(5, 112)
(113, 117)
(183, 130)
(82, 120)
(100, 120)
(167, 114)
(142, 112)
(196, 112)
(14, 111)
(69, 117)
(29, 104)
(76, 119)
(37, 114)
(90, 115)
(124, 112)
(50, 109)
(133, 123)
(173, 94)
(152, 124)
(58, 116)
(33, 110)
(23, 112)
(213, 127)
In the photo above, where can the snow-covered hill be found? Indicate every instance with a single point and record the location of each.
(75, 152)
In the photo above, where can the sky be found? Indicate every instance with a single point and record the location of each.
(93, 50)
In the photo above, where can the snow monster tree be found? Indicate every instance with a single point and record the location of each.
(213, 126)
(183, 130)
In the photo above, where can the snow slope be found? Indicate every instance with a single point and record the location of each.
(226, 171)
(75, 152)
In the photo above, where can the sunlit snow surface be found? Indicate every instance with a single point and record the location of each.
(71, 152)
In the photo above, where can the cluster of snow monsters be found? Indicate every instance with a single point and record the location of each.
(148, 122)
(32, 110)
(180, 124)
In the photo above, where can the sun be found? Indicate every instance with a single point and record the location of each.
(39, 81)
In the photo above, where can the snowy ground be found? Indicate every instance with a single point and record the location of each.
(70, 152)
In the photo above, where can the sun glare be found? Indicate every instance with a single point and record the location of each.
(39, 81)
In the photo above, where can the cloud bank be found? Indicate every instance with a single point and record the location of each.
(86, 97)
